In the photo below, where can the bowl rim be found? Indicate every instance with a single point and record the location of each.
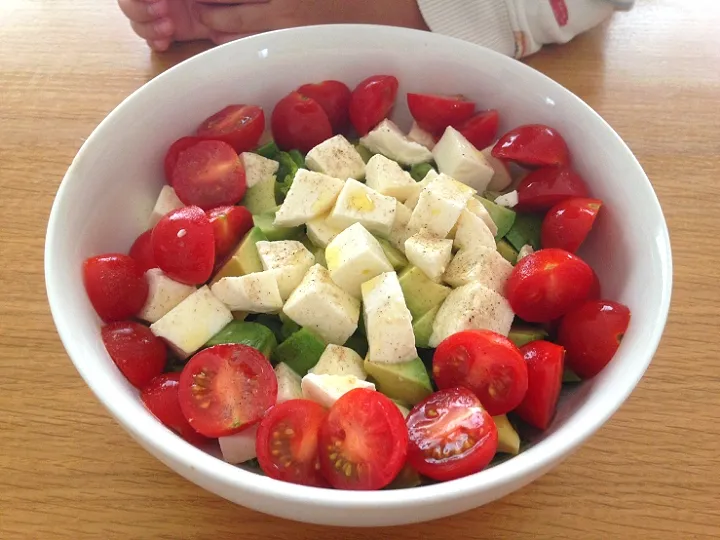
(531, 461)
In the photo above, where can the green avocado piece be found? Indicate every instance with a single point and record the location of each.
(261, 197)
(508, 438)
(264, 222)
(423, 326)
(245, 259)
(269, 150)
(301, 351)
(508, 252)
(421, 293)
(364, 152)
(247, 333)
(358, 343)
(504, 218)
(298, 158)
(406, 478)
(525, 230)
(319, 256)
(289, 327)
(407, 382)
(273, 323)
(420, 170)
(569, 376)
(523, 334)
(394, 255)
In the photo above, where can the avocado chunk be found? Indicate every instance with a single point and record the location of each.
(261, 197)
(358, 343)
(273, 323)
(569, 376)
(245, 259)
(423, 326)
(319, 256)
(364, 152)
(508, 439)
(394, 255)
(420, 170)
(504, 218)
(298, 158)
(269, 150)
(301, 351)
(421, 293)
(289, 327)
(509, 253)
(264, 222)
(246, 333)
(406, 478)
(525, 230)
(523, 334)
(407, 382)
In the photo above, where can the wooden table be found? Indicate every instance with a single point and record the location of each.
(68, 471)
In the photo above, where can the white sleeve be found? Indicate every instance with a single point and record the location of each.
(517, 27)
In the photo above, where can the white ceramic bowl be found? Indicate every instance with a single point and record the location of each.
(107, 194)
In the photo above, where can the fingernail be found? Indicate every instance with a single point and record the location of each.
(164, 27)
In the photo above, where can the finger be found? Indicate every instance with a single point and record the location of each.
(143, 11)
(239, 19)
(159, 45)
(156, 30)
(220, 39)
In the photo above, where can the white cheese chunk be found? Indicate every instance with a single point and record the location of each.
(509, 200)
(336, 157)
(387, 177)
(439, 206)
(166, 202)
(431, 255)
(258, 168)
(412, 200)
(458, 158)
(400, 232)
(310, 196)
(473, 232)
(420, 136)
(288, 383)
(477, 208)
(526, 250)
(288, 260)
(252, 293)
(338, 360)
(358, 203)
(388, 140)
(320, 232)
(483, 265)
(327, 389)
(163, 295)
(239, 447)
(501, 179)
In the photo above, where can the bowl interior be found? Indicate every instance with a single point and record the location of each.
(107, 195)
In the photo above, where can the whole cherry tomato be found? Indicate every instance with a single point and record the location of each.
(568, 223)
(142, 251)
(545, 364)
(116, 286)
(481, 130)
(174, 152)
(136, 351)
(230, 224)
(371, 102)
(434, 113)
(334, 98)
(544, 188)
(533, 145)
(299, 123)
(240, 126)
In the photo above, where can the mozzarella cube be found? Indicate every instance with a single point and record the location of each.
(526, 250)
(166, 202)
(288, 260)
(477, 208)
(472, 232)
(258, 168)
(336, 157)
(387, 177)
(358, 203)
(190, 324)
(471, 307)
(320, 232)
(509, 200)
(327, 389)
(354, 257)
(240, 447)
(337, 360)
(321, 306)
(431, 255)
(163, 295)
(388, 140)
(310, 196)
(440, 206)
(501, 179)
(457, 157)
(412, 200)
(388, 322)
(252, 293)
(400, 232)
(288, 383)
(420, 136)
(482, 265)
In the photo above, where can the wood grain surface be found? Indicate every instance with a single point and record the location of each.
(68, 471)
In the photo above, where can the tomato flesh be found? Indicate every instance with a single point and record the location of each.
(161, 398)
(173, 154)
(142, 251)
(240, 126)
(300, 123)
(545, 363)
(230, 224)
(544, 188)
(568, 223)
(363, 441)
(481, 130)
(287, 442)
(434, 113)
(226, 388)
(485, 362)
(533, 145)
(450, 435)
(591, 335)
(116, 286)
(334, 98)
(136, 351)
(371, 102)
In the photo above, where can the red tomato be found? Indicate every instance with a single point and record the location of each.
(547, 284)
(485, 362)
(230, 224)
(174, 152)
(434, 113)
(142, 251)
(568, 223)
(161, 398)
(533, 145)
(363, 441)
(240, 126)
(209, 174)
(595, 289)
(545, 364)
(451, 435)
(591, 334)
(544, 188)
(287, 442)
(116, 286)
(481, 129)
(136, 351)
(184, 245)
(371, 102)
(334, 98)
(226, 388)
(299, 122)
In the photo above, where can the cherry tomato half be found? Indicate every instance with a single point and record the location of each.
(136, 351)
(451, 435)
(545, 364)
(334, 98)
(161, 398)
(209, 174)
(568, 223)
(230, 224)
(485, 362)
(363, 441)
(226, 388)
(533, 145)
(591, 335)
(481, 130)
(434, 113)
(184, 245)
(371, 102)
(287, 442)
(174, 152)
(142, 251)
(116, 286)
(544, 188)
(299, 123)
(547, 284)
(240, 126)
